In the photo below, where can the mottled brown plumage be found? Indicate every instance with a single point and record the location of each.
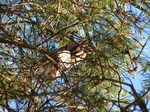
(66, 57)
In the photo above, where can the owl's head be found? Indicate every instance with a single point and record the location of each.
(77, 47)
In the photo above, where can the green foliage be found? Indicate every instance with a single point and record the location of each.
(116, 32)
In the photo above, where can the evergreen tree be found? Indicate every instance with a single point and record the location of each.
(36, 36)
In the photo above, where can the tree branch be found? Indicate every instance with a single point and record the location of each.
(54, 35)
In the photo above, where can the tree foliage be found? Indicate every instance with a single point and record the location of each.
(116, 31)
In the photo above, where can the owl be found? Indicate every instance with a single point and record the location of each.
(65, 57)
